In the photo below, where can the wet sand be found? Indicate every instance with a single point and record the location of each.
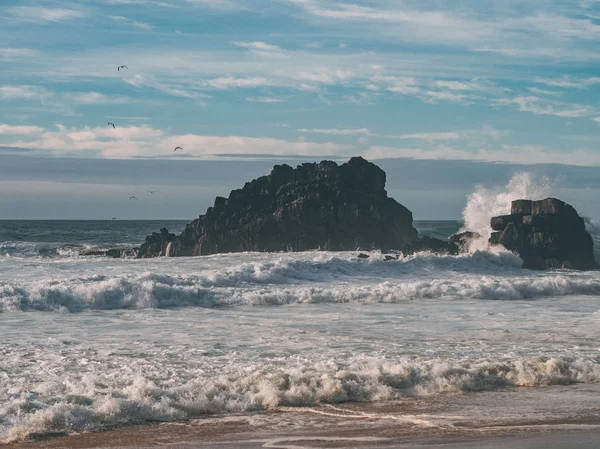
(551, 417)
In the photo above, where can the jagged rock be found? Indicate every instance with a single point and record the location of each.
(388, 258)
(463, 240)
(157, 244)
(314, 206)
(552, 235)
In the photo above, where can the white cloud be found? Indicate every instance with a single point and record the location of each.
(538, 91)
(24, 92)
(568, 82)
(95, 98)
(539, 106)
(457, 85)
(134, 23)
(41, 14)
(140, 81)
(597, 120)
(398, 84)
(259, 46)
(231, 82)
(125, 142)
(434, 96)
(17, 53)
(520, 154)
(336, 131)
(19, 130)
(264, 100)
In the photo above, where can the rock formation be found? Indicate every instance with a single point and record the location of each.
(314, 206)
(546, 234)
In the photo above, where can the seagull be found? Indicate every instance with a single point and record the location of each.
(178, 148)
(114, 218)
(132, 198)
(151, 191)
(111, 124)
(122, 67)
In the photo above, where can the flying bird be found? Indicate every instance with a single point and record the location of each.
(132, 198)
(151, 191)
(122, 67)
(178, 148)
(111, 124)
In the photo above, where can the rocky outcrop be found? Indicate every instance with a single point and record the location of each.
(462, 241)
(546, 234)
(314, 206)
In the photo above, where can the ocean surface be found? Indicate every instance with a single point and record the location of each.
(88, 342)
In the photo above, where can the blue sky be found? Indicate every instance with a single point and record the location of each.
(514, 82)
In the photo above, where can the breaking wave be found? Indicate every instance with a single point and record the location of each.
(325, 278)
(96, 402)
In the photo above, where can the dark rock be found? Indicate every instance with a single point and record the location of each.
(463, 240)
(552, 236)
(495, 238)
(523, 207)
(387, 257)
(157, 244)
(501, 222)
(314, 206)
(363, 256)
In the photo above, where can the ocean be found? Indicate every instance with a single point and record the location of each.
(91, 343)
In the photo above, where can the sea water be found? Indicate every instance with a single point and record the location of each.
(88, 343)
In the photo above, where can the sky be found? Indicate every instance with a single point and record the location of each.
(443, 94)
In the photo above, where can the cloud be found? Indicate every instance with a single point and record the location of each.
(17, 53)
(539, 106)
(230, 82)
(95, 98)
(24, 92)
(398, 84)
(520, 154)
(457, 85)
(264, 100)
(597, 120)
(336, 131)
(139, 80)
(259, 46)
(434, 96)
(125, 142)
(567, 82)
(134, 23)
(19, 130)
(538, 91)
(41, 14)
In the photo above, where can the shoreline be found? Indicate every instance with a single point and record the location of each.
(527, 417)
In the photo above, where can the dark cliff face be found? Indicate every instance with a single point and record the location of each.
(546, 234)
(314, 206)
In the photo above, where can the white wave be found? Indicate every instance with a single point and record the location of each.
(593, 227)
(485, 203)
(118, 397)
(298, 278)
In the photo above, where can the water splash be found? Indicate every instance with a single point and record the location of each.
(485, 203)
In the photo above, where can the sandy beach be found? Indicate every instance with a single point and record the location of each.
(558, 416)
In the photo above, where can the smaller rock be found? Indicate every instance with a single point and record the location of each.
(363, 256)
(463, 240)
(388, 257)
